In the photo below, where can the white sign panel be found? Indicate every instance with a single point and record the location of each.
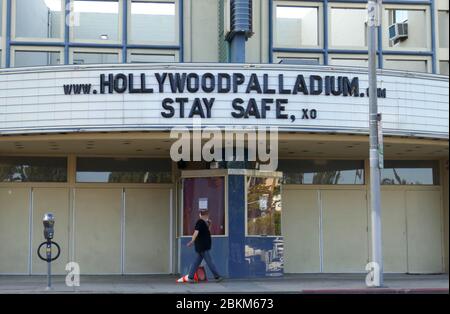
(203, 203)
(159, 97)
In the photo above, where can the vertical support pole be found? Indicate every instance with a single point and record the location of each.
(238, 48)
(236, 223)
(271, 21)
(8, 34)
(325, 32)
(181, 31)
(377, 258)
(433, 36)
(124, 30)
(66, 30)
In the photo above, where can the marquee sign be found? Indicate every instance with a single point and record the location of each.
(224, 83)
(158, 97)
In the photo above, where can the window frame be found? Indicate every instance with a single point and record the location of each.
(201, 174)
(74, 41)
(300, 4)
(427, 59)
(110, 184)
(261, 175)
(74, 50)
(358, 57)
(385, 26)
(363, 185)
(418, 186)
(155, 43)
(166, 52)
(277, 56)
(14, 49)
(350, 6)
(40, 183)
(35, 39)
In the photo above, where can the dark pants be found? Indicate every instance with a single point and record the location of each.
(198, 260)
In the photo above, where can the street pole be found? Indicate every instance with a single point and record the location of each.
(374, 12)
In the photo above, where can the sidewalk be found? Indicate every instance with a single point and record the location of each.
(301, 283)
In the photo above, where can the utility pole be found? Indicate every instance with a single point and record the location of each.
(374, 21)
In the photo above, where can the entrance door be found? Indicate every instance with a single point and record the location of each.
(122, 230)
(204, 194)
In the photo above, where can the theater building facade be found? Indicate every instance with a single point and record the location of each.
(92, 113)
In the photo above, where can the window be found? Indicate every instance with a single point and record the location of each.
(124, 170)
(95, 57)
(263, 206)
(443, 29)
(443, 67)
(412, 65)
(298, 58)
(352, 62)
(24, 58)
(33, 169)
(296, 26)
(98, 21)
(322, 171)
(400, 16)
(403, 172)
(418, 29)
(140, 57)
(204, 193)
(153, 22)
(348, 27)
(39, 19)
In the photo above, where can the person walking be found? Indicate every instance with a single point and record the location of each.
(202, 240)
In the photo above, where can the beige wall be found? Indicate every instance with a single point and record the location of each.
(344, 231)
(56, 201)
(393, 222)
(300, 229)
(97, 230)
(14, 230)
(325, 230)
(412, 223)
(201, 31)
(424, 222)
(147, 231)
(257, 46)
(445, 218)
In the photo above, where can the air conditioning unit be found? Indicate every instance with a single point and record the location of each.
(398, 32)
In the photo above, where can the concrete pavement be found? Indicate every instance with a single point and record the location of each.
(300, 283)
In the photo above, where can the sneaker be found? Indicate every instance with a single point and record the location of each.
(189, 280)
(218, 279)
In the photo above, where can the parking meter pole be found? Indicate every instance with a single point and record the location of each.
(49, 264)
(49, 222)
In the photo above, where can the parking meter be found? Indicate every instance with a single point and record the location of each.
(49, 231)
(49, 222)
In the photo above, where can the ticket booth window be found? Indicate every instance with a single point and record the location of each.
(263, 206)
(204, 194)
